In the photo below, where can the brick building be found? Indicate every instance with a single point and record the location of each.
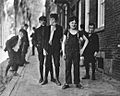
(105, 15)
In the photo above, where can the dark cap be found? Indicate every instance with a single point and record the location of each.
(54, 16)
(22, 30)
(26, 25)
(42, 18)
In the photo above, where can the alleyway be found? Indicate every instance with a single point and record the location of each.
(28, 84)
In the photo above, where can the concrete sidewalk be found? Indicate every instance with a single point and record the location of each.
(3, 61)
(28, 84)
(9, 83)
(3, 55)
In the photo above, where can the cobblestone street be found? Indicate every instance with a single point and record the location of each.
(28, 85)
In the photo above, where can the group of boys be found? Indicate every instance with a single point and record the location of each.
(47, 40)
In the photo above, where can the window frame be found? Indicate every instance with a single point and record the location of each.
(101, 13)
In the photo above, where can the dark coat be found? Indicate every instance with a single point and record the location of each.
(39, 36)
(11, 43)
(33, 38)
(56, 41)
(26, 41)
(15, 57)
(92, 47)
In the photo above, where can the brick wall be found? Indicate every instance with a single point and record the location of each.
(109, 38)
(116, 62)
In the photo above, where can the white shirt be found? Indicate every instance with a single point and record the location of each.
(53, 28)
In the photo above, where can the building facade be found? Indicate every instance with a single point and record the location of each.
(105, 15)
(61, 7)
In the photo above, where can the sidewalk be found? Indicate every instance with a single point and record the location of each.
(3, 61)
(8, 84)
(27, 84)
(3, 55)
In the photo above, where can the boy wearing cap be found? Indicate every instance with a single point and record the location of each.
(14, 48)
(53, 36)
(39, 34)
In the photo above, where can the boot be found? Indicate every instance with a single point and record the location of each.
(45, 82)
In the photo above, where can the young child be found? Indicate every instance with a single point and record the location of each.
(71, 52)
(14, 48)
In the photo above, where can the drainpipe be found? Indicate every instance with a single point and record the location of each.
(87, 11)
(79, 16)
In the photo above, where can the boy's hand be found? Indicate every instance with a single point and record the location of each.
(64, 56)
(45, 52)
(95, 54)
(81, 52)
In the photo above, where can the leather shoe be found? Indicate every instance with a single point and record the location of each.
(41, 80)
(86, 77)
(65, 86)
(58, 82)
(53, 80)
(44, 82)
(79, 86)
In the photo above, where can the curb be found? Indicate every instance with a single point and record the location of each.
(11, 85)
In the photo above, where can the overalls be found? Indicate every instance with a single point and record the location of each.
(72, 57)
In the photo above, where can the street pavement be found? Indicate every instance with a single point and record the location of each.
(28, 85)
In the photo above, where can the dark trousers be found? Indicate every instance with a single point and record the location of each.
(87, 61)
(49, 66)
(72, 57)
(41, 60)
(14, 61)
(33, 49)
(24, 52)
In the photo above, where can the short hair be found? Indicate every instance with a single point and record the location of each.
(82, 26)
(21, 30)
(42, 18)
(72, 18)
(33, 28)
(55, 16)
(92, 24)
(26, 25)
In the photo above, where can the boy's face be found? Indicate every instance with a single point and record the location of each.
(42, 22)
(91, 28)
(52, 21)
(73, 24)
(20, 34)
(25, 27)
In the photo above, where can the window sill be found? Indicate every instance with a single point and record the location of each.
(99, 29)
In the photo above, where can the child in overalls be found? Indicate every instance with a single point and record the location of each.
(71, 52)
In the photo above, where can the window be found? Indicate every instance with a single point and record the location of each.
(0, 31)
(101, 13)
